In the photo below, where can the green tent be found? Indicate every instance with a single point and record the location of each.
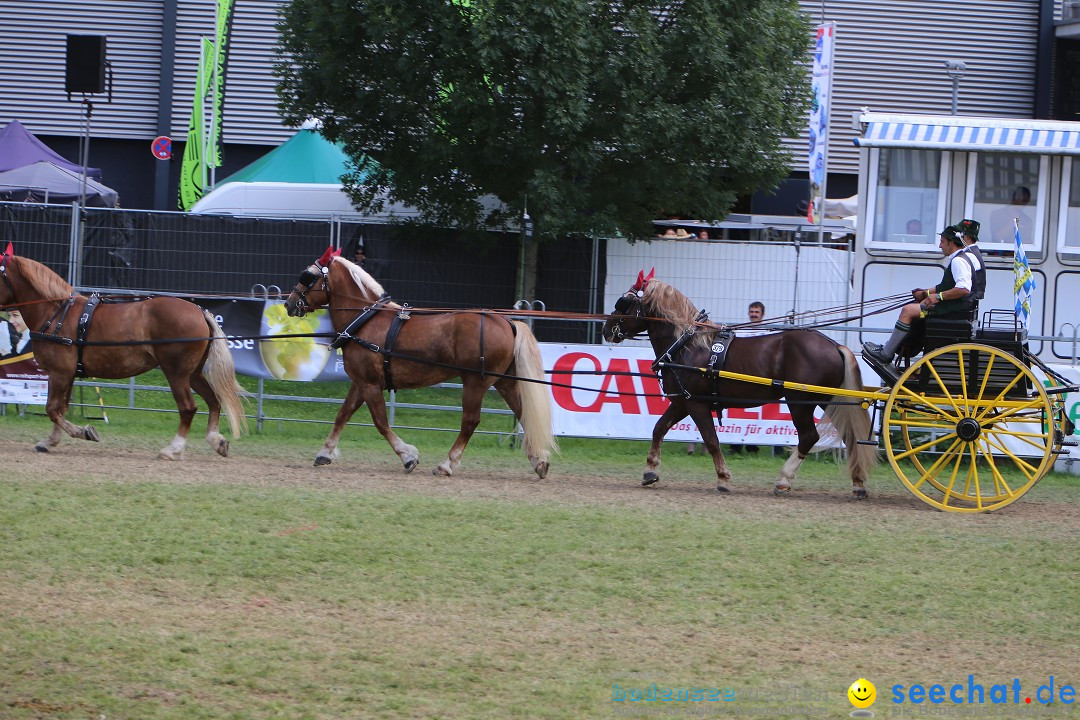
(306, 157)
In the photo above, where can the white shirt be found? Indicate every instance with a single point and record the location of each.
(961, 271)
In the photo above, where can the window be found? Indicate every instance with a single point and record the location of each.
(906, 201)
(1003, 187)
(1069, 221)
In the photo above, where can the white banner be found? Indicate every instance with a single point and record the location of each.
(820, 98)
(622, 404)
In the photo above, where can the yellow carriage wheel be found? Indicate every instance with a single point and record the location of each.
(969, 428)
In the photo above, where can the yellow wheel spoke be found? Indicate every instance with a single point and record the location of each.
(1021, 464)
(944, 390)
(926, 446)
(922, 401)
(1001, 485)
(932, 470)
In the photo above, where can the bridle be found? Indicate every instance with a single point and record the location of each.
(306, 283)
(630, 301)
(3, 270)
(319, 270)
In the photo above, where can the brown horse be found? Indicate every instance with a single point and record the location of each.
(123, 339)
(382, 352)
(798, 356)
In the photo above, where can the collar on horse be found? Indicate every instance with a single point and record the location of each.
(56, 323)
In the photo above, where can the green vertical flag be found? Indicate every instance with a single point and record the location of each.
(193, 168)
(203, 147)
(217, 87)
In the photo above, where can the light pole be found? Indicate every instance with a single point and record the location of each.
(955, 69)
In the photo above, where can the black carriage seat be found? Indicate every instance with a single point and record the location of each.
(999, 330)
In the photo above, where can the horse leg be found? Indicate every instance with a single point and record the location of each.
(409, 455)
(802, 417)
(702, 415)
(329, 451)
(472, 396)
(56, 408)
(185, 405)
(217, 442)
(508, 388)
(676, 411)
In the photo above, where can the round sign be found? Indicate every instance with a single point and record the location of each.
(162, 147)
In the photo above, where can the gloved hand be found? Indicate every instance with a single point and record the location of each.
(918, 294)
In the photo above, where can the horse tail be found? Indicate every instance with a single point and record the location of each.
(220, 372)
(535, 402)
(852, 421)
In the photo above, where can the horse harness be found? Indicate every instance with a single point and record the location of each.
(82, 328)
(349, 334)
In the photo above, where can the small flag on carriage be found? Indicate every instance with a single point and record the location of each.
(1023, 280)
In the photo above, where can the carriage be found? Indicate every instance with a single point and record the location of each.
(965, 423)
(967, 426)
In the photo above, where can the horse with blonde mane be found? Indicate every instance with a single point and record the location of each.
(794, 356)
(73, 334)
(386, 346)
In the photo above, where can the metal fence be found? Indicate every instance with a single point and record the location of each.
(132, 251)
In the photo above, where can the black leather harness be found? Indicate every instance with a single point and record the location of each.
(349, 334)
(82, 328)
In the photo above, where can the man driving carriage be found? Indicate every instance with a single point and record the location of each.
(955, 297)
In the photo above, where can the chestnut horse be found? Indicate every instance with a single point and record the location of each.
(123, 339)
(797, 356)
(381, 352)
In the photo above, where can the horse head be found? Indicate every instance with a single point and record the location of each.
(312, 288)
(628, 318)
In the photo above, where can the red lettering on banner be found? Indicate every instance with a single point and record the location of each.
(743, 413)
(772, 411)
(626, 395)
(655, 403)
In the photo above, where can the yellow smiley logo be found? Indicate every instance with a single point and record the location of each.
(862, 693)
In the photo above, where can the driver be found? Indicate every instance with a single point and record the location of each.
(954, 297)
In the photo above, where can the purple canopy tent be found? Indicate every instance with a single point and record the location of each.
(19, 148)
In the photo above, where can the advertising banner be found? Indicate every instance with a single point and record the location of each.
(820, 98)
(621, 404)
(21, 381)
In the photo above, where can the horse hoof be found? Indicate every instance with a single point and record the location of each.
(222, 448)
(169, 456)
(89, 433)
(723, 489)
(781, 490)
(41, 447)
(410, 465)
(650, 478)
(860, 494)
(542, 470)
(322, 460)
(445, 472)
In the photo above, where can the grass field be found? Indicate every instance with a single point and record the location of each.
(260, 587)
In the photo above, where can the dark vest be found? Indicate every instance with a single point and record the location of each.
(964, 305)
(978, 279)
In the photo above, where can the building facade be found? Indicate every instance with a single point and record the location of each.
(890, 57)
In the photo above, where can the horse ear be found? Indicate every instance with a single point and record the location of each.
(640, 281)
(652, 273)
(9, 250)
(335, 253)
(327, 255)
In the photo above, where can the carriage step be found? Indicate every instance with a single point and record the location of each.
(1070, 442)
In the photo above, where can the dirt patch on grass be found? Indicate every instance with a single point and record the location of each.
(751, 494)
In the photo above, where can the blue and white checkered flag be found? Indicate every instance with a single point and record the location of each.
(1023, 280)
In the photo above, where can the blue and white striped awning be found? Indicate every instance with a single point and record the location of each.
(969, 134)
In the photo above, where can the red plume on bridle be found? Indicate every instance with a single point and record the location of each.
(9, 250)
(643, 280)
(328, 255)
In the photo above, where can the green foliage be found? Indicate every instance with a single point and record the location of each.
(602, 116)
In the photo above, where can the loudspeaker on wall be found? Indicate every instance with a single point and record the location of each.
(85, 64)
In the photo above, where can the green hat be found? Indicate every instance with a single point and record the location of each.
(954, 234)
(969, 228)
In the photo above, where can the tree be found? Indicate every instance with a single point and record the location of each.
(600, 116)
